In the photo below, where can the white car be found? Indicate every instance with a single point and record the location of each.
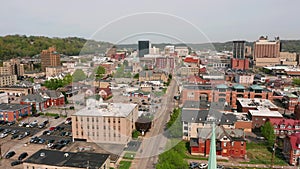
(2, 135)
(21, 124)
(203, 165)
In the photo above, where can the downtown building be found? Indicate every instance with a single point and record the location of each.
(49, 58)
(267, 52)
(239, 61)
(99, 122)
(143, 47)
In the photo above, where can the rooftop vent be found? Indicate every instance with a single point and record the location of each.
(66, 154)
(42, 154)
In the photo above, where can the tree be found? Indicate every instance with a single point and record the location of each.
(174, 125)
(171, 160)
(78, 75)
(136, 76)
(296, 81)
(100, 72)
(267, 131)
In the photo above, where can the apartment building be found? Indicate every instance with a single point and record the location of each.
(7, 80)
(49, 58)
(105, 122)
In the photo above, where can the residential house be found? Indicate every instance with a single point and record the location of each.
(229, 142)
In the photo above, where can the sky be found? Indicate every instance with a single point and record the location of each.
(119, 21)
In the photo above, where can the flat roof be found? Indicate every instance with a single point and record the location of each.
(256, 102)
(107, 109)
(68, 159)
(265, 112)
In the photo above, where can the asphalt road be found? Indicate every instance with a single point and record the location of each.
(154, 142)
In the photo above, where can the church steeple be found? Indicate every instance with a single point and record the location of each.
(212, 160)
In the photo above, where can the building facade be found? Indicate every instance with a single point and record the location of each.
(12, 112)
(8, 80)
(105, 123)
(49, 58)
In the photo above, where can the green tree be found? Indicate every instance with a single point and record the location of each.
(100, 72)
(136, 76)
(67, 79)
(174, 125)
(171, 160)
(78, 75)
(267, 131)
(296, 81)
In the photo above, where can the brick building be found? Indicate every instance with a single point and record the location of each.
(49, 58)
(229, 142)
(285, 127)
(12, 112)
(291, 149)
(260, 116)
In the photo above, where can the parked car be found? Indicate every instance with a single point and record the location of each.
(11, 123)
(194, 165)
(16, 163)
(21, 136)
(14, 136)
(15, 132)
(2, 135)
(56, 117)
(220, 166)
(51, 128)
(21, 124)
(22, 156)
(42, 125)
(46, 122)
(1, 129)
(45, 132)
(6, 131)
(10, 154)
(27, 133)
(203, 165)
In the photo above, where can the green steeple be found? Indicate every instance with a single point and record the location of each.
(212, 160)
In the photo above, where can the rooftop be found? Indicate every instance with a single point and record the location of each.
(68, 159)
(106, 109)
(256, 102)
(11, 107)
(265, 112)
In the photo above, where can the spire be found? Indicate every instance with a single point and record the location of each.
(212, 160)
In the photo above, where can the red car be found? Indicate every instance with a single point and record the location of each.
(51, 128)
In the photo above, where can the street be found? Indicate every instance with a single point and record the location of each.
(154, 142)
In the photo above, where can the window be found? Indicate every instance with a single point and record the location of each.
(87, 119)
(242, 143)
(225, 144)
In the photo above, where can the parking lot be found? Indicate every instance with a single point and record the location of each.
(20, 144)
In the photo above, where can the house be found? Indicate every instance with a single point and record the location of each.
(44, 159)
(194, 79)
(12, 112)
(53, 97)
(105, 93)
(193, 119)
(291, 149)
(36, 100)
(229, 142)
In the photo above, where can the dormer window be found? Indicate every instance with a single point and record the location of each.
(289, 126)
(275, 126)
(298, 145)
(282, 126)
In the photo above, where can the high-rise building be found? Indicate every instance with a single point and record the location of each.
(267, 52)
(239, 49)
(143, 47)
(49, 58)
(239, 61)
(12, 67)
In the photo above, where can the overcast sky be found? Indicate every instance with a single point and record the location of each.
(160, 21)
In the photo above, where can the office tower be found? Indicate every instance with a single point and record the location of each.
(143, 48)
(49, 58)
(239, 61)
(267, 52)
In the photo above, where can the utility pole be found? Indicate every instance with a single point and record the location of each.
(273, 153)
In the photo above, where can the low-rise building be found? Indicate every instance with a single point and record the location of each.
(54, 71)
(46, 159)
(15, 92)
(12, 112)
(53, 97)
(36, 100)
(244, 105)
(285, 127)
(229, 142)
(260, 116)
(291, 149)
(105, 123)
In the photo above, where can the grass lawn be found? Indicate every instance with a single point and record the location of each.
(258, 153)
(129, 155)
(125, 164)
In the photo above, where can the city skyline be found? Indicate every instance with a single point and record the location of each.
(223, 22)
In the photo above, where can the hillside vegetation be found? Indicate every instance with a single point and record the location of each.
(20, 46)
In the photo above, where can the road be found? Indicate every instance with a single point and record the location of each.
(154, 142)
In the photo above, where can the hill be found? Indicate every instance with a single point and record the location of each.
(20, 46)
